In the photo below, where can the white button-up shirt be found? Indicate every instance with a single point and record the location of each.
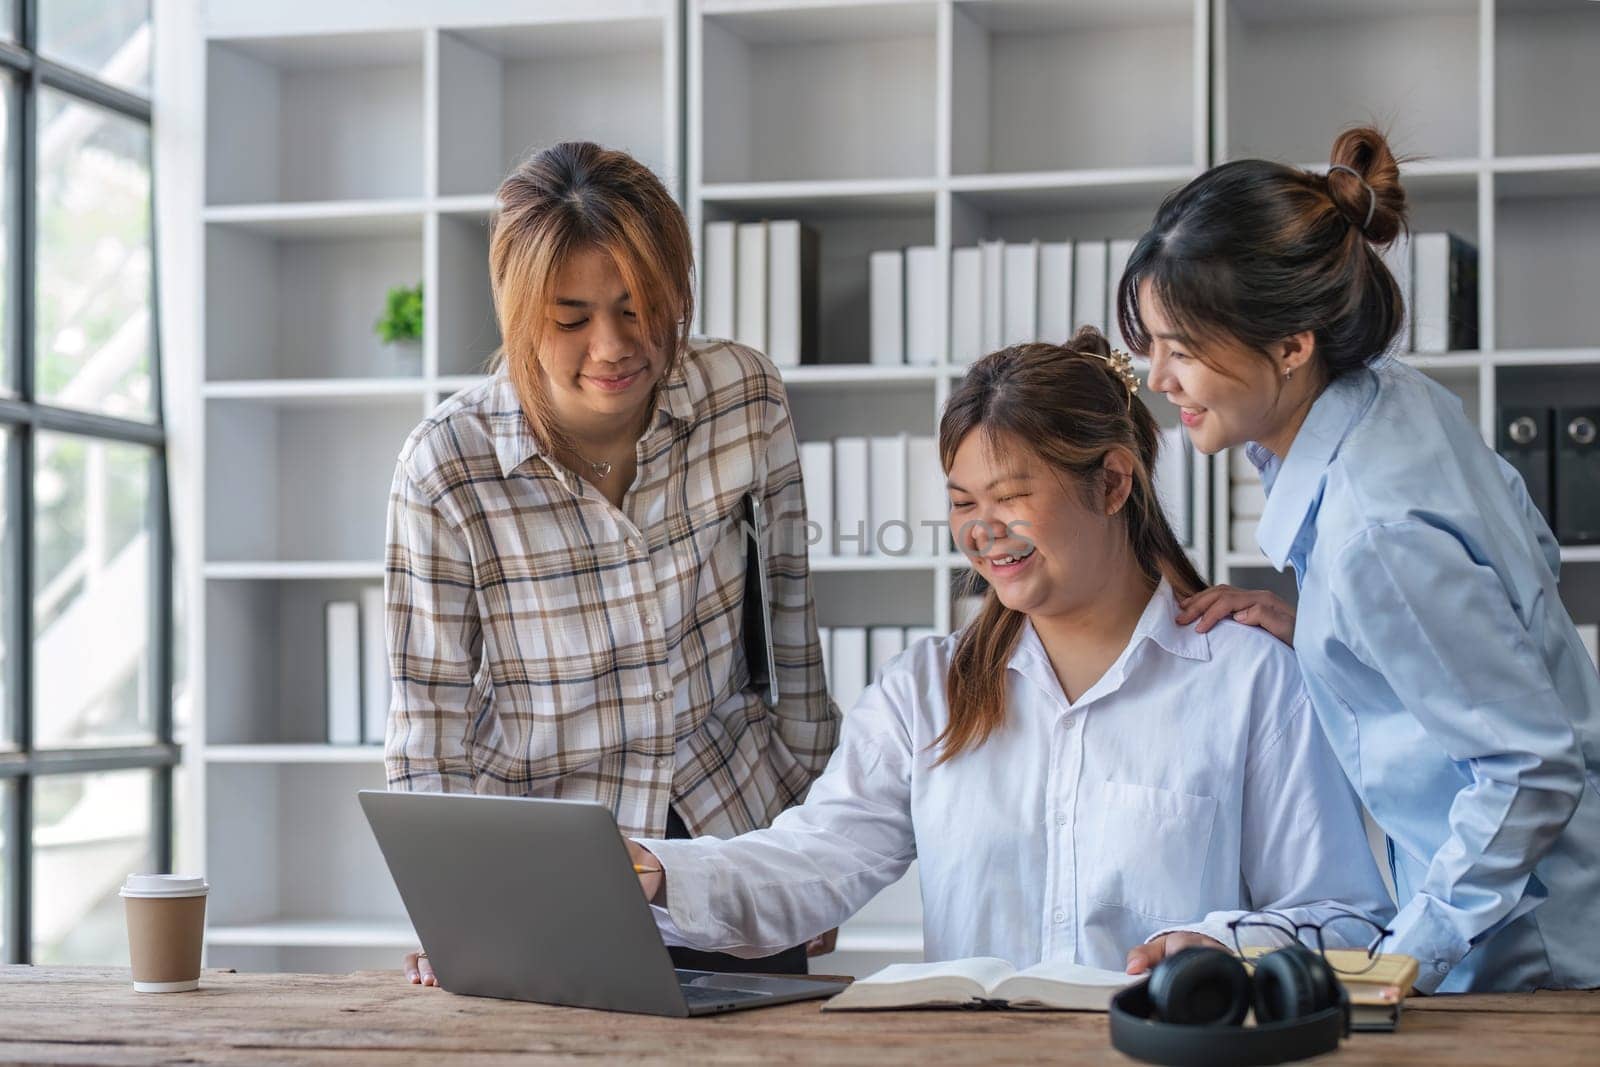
(1190, 784)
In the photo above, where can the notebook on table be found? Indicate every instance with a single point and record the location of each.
(1376, 993)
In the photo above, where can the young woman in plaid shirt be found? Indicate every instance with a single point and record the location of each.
(565, 569)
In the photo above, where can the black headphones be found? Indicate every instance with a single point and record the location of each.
(1191, 1010)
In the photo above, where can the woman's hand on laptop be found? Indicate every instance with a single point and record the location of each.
(419, 971)
(652, 879)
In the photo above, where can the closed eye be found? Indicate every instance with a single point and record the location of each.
(570, 326)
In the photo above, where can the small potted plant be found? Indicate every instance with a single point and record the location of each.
(400, 327)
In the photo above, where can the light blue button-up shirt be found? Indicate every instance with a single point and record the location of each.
(1449, 678)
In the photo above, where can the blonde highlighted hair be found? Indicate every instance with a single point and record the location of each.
(568, 198)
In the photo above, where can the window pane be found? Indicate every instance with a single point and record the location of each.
(90, 831)
(8, 123)
(92, 569)
(8, 597)
(107, 38)
(6, 866)
(94, 333)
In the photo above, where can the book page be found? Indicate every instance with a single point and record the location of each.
(953, 983)
(1064, 985)
(983, 971)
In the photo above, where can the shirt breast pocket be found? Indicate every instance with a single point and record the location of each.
(1151, 848)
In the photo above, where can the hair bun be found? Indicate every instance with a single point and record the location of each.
(1364, 184)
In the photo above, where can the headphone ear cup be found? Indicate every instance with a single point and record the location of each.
(1200, 987)
(1292, 983)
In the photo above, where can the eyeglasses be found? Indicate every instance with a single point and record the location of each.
(1359, 937)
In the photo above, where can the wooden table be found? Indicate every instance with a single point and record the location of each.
(92, 1015)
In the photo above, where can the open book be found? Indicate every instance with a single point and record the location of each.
(984, 982)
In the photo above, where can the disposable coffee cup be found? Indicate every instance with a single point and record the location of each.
(166, 928)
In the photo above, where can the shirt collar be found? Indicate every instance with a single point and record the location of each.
(1158, 625)
(1294, 483)
(515, 442)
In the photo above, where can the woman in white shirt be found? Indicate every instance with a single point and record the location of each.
(1079, 777)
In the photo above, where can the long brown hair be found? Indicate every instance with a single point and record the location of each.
(566, 198)
(1255, 252)
(1066, 405)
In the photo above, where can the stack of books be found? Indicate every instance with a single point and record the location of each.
(356, 669)
(759, 287)
(1376, 994)
(874, 496)
(1438, 276)
(854, 656)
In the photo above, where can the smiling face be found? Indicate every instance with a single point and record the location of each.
(1230, 397)
(1029, 529)
(599, 368)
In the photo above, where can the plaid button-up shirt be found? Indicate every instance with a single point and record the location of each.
(545, 643)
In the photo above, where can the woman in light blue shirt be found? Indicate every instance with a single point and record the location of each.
(1441, 662)
(1081, 779)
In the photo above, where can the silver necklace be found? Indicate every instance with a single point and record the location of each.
(602, 468)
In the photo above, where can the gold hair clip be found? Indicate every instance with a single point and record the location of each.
(1121, 365)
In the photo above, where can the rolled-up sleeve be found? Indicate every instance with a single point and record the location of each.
(1443, 632)
(435, 644)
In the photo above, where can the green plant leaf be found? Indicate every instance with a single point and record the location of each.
(402, 315)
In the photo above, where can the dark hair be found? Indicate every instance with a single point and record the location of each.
(1256, 252)
(1068, 406)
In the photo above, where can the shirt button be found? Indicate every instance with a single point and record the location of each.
(1060, 916)
(649, 620)
(661, 696)
(663, 761)
(1061, 818)
(1441, 967)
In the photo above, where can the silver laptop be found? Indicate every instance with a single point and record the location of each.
(537, 900)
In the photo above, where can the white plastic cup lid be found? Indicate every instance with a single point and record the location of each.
(164, 885)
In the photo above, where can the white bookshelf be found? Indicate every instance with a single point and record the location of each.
(355, 146)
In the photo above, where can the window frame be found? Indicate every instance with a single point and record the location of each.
(22, 418)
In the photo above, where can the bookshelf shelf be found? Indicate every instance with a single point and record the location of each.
(294, 570)
(315, 933)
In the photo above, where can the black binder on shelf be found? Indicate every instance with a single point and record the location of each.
(1577, 476)
(1525, 438)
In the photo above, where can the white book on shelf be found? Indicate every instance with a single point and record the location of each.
(1174, 480)
(1589, 634)
(925, 306)
(1397, 257)
(1431, 291)
(927, 502)
(750, 318)
(342, 671)
(890, 529)
(884, 643)
(1117, 254)
(966, 304)
(886, 284)
(1055, 291)
(1247, 499)
(994, 301)
(849, 662)
(850, 496)
(1242, 535)
(792, 279)
(1019, 323)
(720, 285)
(374, 666)
(816, 475)
(1089, 284)
(917, 633)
